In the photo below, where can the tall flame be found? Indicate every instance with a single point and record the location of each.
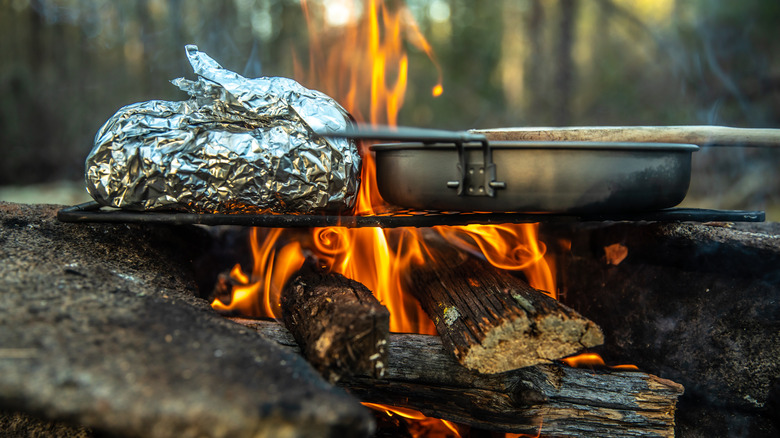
(363, 55)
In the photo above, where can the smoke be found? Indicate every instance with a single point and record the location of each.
(253, 67)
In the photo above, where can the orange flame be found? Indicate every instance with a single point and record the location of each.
(587, 360)
(524, 435)
(365, 56)
(421, 425)
(510, 247)
(274, 263)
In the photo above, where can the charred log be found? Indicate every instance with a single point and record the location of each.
(340, 326)
(493, 321)
(553, 399)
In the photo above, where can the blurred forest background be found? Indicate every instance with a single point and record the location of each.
(67, 65)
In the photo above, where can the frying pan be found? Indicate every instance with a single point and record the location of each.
(543, 170)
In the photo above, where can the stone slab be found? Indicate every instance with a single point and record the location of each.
(100, 326)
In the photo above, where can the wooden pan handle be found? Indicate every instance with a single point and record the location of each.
(698, 135)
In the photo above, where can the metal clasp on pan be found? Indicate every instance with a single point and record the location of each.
(476, 179)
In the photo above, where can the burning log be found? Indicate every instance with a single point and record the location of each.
(340, 326)
(493, 321)
(551, 399)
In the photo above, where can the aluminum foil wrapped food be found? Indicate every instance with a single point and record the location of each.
(237, 144)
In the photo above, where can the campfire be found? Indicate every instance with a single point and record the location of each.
(488, 290)
(389, 319)
(378, 258)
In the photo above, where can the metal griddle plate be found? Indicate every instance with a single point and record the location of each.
(92, 212)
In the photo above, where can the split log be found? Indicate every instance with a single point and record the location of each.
(562, 401)
(493, 321)
(340, 325)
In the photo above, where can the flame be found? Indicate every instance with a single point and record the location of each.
(365, 56)
(524, 435)
(377, 258)
(429, 427)
(513, 247)
(275, 261)
(421, 425)
(588, 360)
(584, 360)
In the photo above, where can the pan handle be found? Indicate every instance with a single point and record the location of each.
(698, 135)
(485, 185)
(404, 133)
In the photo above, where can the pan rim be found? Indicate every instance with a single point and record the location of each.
(530, 145)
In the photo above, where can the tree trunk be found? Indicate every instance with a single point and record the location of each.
(564, 74)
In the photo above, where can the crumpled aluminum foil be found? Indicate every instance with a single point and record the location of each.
(237, 145)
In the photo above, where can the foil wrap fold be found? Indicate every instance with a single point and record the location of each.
(237, 144)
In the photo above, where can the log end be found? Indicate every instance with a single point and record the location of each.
(521, 342)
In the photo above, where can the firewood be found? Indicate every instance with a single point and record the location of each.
(552, 399)
(340, 325)
(492, 320)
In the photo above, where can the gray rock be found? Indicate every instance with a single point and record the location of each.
(100, 326)
(21, 425)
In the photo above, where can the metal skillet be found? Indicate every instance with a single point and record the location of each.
(463, 171)
(538, 177)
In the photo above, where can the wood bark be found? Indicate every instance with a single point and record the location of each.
(338, 322)
(493, 321)
(551, 399)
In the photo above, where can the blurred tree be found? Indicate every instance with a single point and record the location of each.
(564, 73)
(67, 65)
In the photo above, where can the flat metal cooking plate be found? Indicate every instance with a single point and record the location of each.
(92, 212)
